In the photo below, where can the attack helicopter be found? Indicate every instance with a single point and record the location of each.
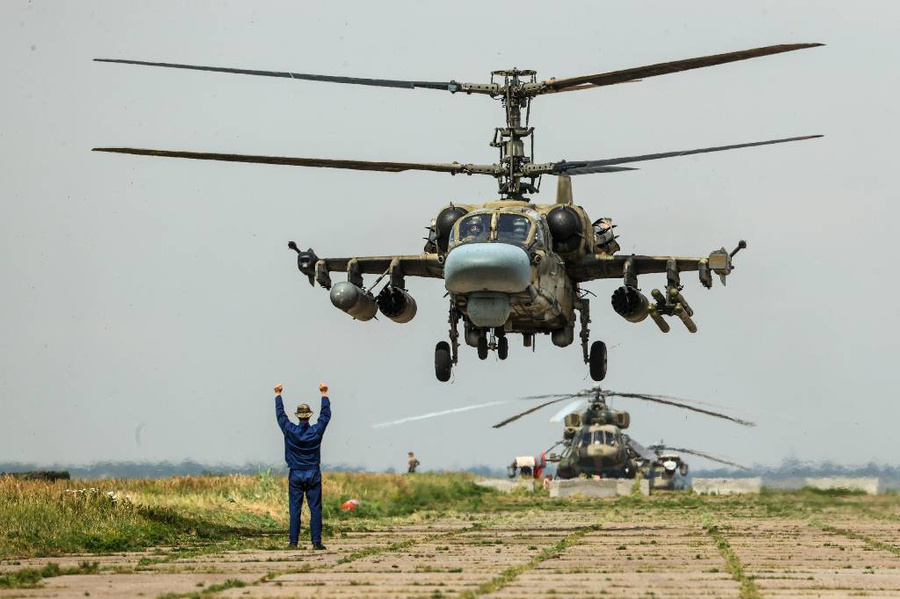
(594, 443)
(510, 266)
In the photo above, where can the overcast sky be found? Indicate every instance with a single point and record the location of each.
(149, 305)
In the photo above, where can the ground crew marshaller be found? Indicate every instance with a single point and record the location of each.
(302, 452)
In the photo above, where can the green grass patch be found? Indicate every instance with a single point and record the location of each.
(28, 578)
(231, 583)
(870, 541)
(732, 561)
(511, 573)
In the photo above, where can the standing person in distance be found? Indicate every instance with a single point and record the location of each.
(302, 452)
(413, 463)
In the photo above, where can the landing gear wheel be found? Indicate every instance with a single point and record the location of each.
(443, 365)
(597, 360)
(502, 347)
(482, 347)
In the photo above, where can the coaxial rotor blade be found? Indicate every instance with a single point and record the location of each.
(360, 165)
(703, 455)
(678, 403)
(587, 167)
(450, 86)
(531, 410)
(664, 68)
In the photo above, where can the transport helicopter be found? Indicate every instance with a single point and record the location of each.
(594, 443)
(510, 266)
(668, 472)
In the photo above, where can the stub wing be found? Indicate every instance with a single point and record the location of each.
(628, 300)
(602, 266)
(318, 269)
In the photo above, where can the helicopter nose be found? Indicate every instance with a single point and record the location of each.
(495, 267)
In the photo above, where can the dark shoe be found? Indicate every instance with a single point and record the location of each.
(292, 545)
(319, 547)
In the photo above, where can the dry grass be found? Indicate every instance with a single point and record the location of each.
(44, 518)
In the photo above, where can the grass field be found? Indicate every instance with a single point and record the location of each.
(437, 535)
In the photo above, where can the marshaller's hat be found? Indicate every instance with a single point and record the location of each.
(303, 411)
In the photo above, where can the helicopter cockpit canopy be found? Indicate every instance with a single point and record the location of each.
(600, 438)
(502, 227)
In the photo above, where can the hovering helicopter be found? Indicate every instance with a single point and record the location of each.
(510, 265)
(594, 443)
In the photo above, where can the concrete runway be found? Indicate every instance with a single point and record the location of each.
(585, 552)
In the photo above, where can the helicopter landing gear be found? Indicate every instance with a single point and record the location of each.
(496, 342)
(596, 357)
(502, 347)
(447, 354)
(482, 346)
(443, 365)
(583, 306)
(597, 360)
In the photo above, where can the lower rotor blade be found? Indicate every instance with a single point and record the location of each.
(586, 167)
(359, 165)
(670, 401)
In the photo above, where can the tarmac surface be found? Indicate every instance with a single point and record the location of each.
(573, 552)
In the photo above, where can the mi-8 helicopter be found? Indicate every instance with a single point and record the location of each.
(594, 443)
(668, 471)
(511, 265)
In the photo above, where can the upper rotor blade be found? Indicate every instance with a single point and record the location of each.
(705, 455)
(671, 401)
(451, 86)
(530, 410)
(586, 167)
(664, 68)
(360, 165)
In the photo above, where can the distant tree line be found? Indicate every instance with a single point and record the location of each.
(790, 468)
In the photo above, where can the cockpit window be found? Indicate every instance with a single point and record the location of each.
(600, 438)
(512, 228)
(475, 228)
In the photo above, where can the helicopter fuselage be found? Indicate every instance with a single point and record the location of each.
(595, 444)
(506, 266)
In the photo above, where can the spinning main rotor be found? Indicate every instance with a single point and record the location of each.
(516, 172)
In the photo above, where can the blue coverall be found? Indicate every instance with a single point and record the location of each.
(302, 443)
